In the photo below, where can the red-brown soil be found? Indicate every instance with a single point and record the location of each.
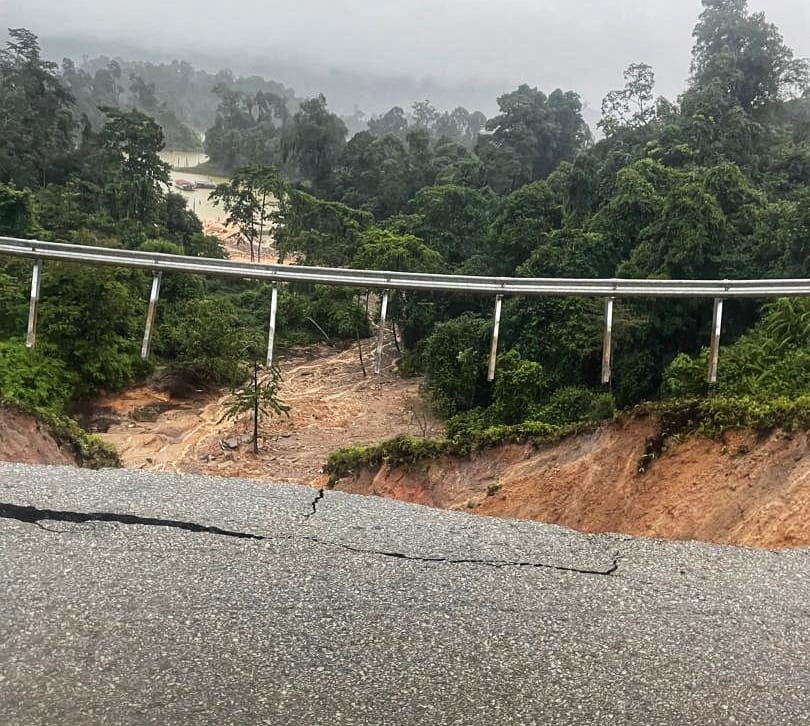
(741, 490)
(331, 405)
(24, 439)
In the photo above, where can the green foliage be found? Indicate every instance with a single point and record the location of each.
(452, 220)
(249, 199)
(93, 316)
(130, 142)
(31, 378)
(574, 404)
(35, 114)
(249, 127)
(18, 217)
(205, 343)
(770, 361)
(259, 397)
(455, 364)
(531, 136)
(313, 143)
(381, 249)
(685, 377)
(519, 386)
(633, 106)
(525, 216)
(320, 232)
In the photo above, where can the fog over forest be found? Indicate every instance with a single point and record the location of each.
(376, 53)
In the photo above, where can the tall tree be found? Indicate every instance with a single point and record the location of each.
(36, 123)
(744, 56)
(531, 136)
(131, 143)
(313, 143)
(250, 199)
(634, 105)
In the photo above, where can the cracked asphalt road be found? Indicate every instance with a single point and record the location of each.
(136, 598)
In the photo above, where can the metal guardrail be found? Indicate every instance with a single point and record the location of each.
(619, 288)
(610, 289)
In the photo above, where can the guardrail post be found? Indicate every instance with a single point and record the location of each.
(150, 315)
(36, 282)
(714, 353)
(496, 330)
(381, 333)
(271, 337)
(607, 343)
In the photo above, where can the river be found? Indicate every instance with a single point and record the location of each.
(198, 200)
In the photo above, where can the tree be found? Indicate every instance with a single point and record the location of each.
(321, 232)
(744, 56)
(259, 396)
(205, 342)
(18, 216)
(455, 360)
(130, 143)
(381, 249)
(249, 199)
(374, 174)
(393, 122)
(633, 106)
(452, 220)
(524, 217)
(313, 143)
(531, 136)
(248, 128)
(36, 123)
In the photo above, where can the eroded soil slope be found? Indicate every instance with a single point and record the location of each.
(24, 440)
(741, 490)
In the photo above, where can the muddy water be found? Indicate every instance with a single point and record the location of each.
(198, 199)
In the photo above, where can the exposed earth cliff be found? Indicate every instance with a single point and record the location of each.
(742, 489)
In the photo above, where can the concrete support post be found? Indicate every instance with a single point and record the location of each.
(36, 282)
(496, 331)
(607, 343)
(381, 333)
(714, 353)
(150, 315)
(271, 337)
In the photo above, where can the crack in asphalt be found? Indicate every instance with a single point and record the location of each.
(314, 504)
(32, 515)
(614, 565)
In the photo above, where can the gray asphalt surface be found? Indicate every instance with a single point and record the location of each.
(138, 598)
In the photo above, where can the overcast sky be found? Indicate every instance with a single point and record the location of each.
(579, 44)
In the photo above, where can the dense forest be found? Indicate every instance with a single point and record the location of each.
(714, 184)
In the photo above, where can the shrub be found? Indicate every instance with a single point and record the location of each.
(32, 378)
